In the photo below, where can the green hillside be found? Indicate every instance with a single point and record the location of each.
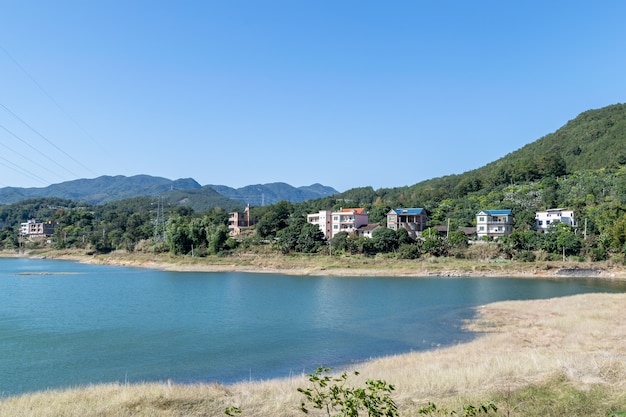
(595, 139)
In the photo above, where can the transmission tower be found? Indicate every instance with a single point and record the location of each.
(159, 223)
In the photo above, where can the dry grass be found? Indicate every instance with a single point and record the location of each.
(574, 346)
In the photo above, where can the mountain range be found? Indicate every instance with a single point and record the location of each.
(184, 191)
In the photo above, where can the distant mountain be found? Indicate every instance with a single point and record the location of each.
(99, 190)
(264, 194)
(200, 200)
(184, 191)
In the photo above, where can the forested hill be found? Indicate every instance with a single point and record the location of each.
(582, 166)
(595, 139)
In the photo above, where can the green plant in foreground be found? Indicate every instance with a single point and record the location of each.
(467, 410)
(338, 399)
(232, 411)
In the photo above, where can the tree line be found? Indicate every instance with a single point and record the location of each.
(598, 198)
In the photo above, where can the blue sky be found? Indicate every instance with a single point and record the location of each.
(343, 93)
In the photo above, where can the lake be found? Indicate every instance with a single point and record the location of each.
(65, 324)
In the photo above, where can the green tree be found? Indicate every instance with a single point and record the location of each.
(340, 242)
(310, 239)
(385, 240)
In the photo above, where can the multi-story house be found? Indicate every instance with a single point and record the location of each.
(545, 218)
(239, 221)
(323, 220)
(494, 223)
(33, 229)
(411, 219)
(345, 220)
(348, 220)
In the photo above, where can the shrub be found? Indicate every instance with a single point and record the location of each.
(337, 399)
(525, 256)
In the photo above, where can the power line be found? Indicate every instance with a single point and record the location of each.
(22, 171)
(47, 140)
(36, 149)
(30, 160)
(56, 103)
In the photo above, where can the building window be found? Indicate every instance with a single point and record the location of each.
(481, 228)
(481, 219)
(392, 218)
(335, 226)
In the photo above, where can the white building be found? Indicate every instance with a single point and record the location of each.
(344, 220)
(367, 230)
(33, 229)
(494, 223)
(348, 220)
(543, 219)
(323, 220)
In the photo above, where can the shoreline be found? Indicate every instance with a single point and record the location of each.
(575, 341)
(341, 267)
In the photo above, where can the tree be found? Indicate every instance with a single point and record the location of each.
(217, 239)
(340, 242)
(434, 244)
(385, 240)
(274, 220)
(310, 239)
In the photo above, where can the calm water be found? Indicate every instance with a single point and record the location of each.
(66, 324)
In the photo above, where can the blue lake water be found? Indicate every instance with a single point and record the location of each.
(66, 324)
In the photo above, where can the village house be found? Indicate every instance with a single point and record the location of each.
(348, 220)
(367, 230)
(494, 223)
(411, 219)
(543, 219)
(345, 220)
(444, 231)
(323, 219)
(239, 221)
(36, 230)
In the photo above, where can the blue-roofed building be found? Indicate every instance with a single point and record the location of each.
(494, 223)
(411, 219)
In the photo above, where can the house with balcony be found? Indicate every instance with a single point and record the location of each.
(348, 220)
(36, 230)
(238, 222)
(323, 219)
(411, 219)
(494, 223)
(544, 219)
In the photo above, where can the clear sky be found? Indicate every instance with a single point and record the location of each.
(344, 93)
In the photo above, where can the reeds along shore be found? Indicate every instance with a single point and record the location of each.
(555, 357)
